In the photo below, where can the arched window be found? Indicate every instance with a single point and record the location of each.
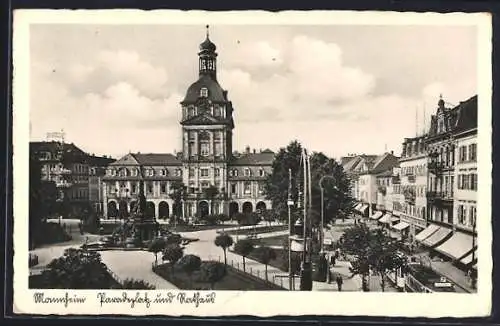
(235, 173)
(247, 172)
(262, 172)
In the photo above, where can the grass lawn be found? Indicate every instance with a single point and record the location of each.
(192, 228)
(266, 229)
(272, 241)
(233, 280)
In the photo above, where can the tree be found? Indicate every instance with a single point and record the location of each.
(268, 215)
(212, 272)
(131, 284)
(42, 200)
(156, 246)
(372, 250)
(77, 269)
(210, 193)
(244, 248)
(172, 253)
(189, 264)
(265, 255)
(224, 241)
(385, 255)
(337, 199)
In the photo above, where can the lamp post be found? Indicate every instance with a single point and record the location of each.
(306, 272)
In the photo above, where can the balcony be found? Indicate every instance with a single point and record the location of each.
(63, 184)
(411, 178)
(60, 171)
(440, 197)
(396, 180)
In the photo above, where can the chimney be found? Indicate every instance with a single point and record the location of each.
(247, 149)
(254, 151)
(392, 152)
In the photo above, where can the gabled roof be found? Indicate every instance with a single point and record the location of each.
(344, 160)
(128, 159)
(262, 158)
(203, 119)
(148, 159)
(467, 115)
(385, 162)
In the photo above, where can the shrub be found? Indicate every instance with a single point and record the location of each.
(131, 284)
(212, 272)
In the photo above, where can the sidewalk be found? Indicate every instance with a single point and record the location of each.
(451, 272)
(134, 265)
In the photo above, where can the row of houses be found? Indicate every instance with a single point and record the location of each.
(428, 194)
(77, 175)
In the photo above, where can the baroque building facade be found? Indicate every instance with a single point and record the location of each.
(206, 161)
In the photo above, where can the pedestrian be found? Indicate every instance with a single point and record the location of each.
(339, 282)
(333, 260)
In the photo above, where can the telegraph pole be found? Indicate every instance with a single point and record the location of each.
(290, 204)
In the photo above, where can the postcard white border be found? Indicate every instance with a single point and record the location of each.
(257, 303)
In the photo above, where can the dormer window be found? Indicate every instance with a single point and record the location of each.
(150, 172)
(134, 172)
(204, 92)
(164, 172)
(178, 172)
(247, 172)
(262, 173)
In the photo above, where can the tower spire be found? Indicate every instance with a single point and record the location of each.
(208, 31)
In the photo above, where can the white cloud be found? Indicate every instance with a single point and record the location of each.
(259, 54)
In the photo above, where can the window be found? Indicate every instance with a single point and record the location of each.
(217, 172)
(233, 188)
(204, 172)
(231, 173)
(463, 153)
(178, 172)
(218, 148)
(247, 172)
(191, 172)
(163, 187)
(247, 188)
(204, 92)
(235, 173)
(461, 214)
(135, 172)
(164, 172)
(134, 188)
(150, 188)
(472, 215)
(205, 184)
(191, 112)
(473, 181)
(473, 152)
(204, 149)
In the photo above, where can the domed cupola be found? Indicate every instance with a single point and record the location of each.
(207, 45)
(208, 58)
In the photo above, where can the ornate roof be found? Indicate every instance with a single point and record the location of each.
(215, 91)
(204, 119)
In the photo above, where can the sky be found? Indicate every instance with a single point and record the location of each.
(338, 89)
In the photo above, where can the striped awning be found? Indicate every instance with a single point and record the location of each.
(358, 206)
(388, 218)
(377, 215)
(457, 246)
(400, 226)
(363, 209)
(427, 232)
(437, 237)
(467, 259)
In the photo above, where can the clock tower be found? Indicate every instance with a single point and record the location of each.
(207, 129)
